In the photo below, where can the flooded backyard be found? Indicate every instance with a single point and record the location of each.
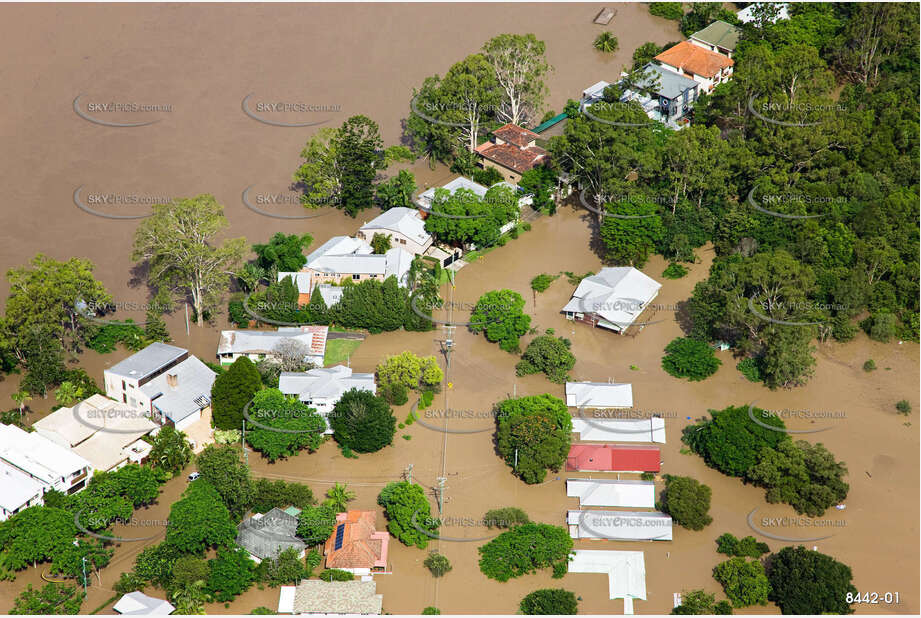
(203, 61)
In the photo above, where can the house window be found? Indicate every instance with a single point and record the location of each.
(402, 241)
(124, 398)
(123, 385)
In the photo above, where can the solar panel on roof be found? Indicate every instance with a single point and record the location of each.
(340, 532)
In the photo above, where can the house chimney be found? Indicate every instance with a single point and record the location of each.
(172, 380)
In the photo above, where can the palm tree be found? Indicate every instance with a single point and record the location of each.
(22, 398)
(68, 393)
(171, 450)
(190, 598)
(338, 496)
(606, 42)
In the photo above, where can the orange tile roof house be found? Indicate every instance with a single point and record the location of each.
(356, 546)
(512, 151)
(706, 67)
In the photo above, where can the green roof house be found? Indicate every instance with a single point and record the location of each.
(718, 37)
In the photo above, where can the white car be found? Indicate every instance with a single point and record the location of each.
(194, 476)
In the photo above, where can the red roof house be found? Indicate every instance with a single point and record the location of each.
(613, 458)
(356, 545)
(513, 151)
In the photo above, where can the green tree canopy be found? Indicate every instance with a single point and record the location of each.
(223, 468)
(362, 421)
(283, 426)
(408, 514)
(687, 500)
(743, 581)
(524, 549)
(499, 314)
(283, 252)
(549, 601)
(231, 391)
(199, 520)
(536, 430)
(808, 582)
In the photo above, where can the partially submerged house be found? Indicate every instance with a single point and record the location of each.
(706, 67)
(265, 535)
(18, 491)
(613, 493)
(718, 37)
(599, 395)
(512, 150)
(139, 604)
(404, 226)
(343, 257)
(42, 460)
(612, 299)
(356, 545)
(321, 388)
(619, 525)
(599, 429)
(106, 433)
(626, 571)
(164, 380)
(257, 345)
(315, 596)
(613, 458)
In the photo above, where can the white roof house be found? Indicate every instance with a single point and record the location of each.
(104, 432)
(599, 395)
(258, 344)
(18, 491)
(748, 14)
(301, 280)
(626, 572)
(331, 294)
(139, 604)
(342, 255)
(322, 388)
(593, 93)
(619, 525)
(425, 199)
(617, 430)
(49, 463)
(613, 298)
(609, 492)
(182, 391)
(403, 224)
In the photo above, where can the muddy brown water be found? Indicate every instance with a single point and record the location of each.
(367, 58)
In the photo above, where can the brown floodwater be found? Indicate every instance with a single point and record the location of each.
(203, 60)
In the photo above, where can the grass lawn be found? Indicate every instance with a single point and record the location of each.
(338, 350)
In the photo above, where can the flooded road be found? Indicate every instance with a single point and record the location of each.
(206, 143)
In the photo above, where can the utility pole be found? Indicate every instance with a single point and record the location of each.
(84, 575)
(243, 444)
(441, 494)
(408, 473)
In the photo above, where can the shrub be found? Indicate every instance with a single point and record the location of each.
(869, 365)
(362, 421)
(418, 373)
(505, 517)
(690, 358)
(748, 546)
(606, 42)
(432, 611)
(648, 476)
(524, 549)
(278, 493)
(668, 10)
(541, 282)
(262, 610)
(426, 399)
(394, 394)
(437, 564)
(232, 572)
(743, 581)
(549, 601)
(687, 500)
(231, 392)
(674, 271)
(903, 407)
(130, 582)
(749, 368)
(336, 575)
(701, 603)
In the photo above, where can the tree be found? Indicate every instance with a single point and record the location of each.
(283, 252)
(547, 354)
(408, 514)
(434, 141)
(431, 611)
(131, 582)
(231, 391)
(170, 450)
(748, 546)
(631, 232)
(362, 421)
(410, 371)
(743, 581)
(319, 174)
(645, 53)
(520, 67)
(533, 435)
(21, 398)
(668, 10)
(690, 358)
(499, 315)
(541, 182)
(315, 524)
(53, 598)
(380, 243)
(397, 191)
(699, 602)
(190, 598)
(176, 243)
(282, 426)
(287, 569)
(68, 394)
(524, 549)
(359, 155)
(199, 520)
(472, 93)
(549, 601)
(687, 500)
(36, 534)
(731, 442)
(338, 497)
(270, 494)
(291, 355)
(606, 42)
(189, 569)
(155, 564)
(469, 219)
(43, 358)
(250, 275)
(231, 574)
(437, 564)
(808, 582)
(222, 468)
(337, 575)
(89, 553)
